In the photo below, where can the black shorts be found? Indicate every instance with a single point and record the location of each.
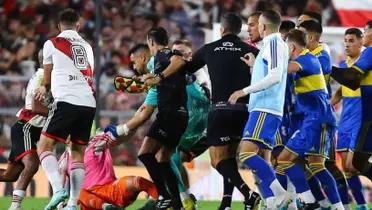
(24, 137)
(169, 127)
(197, 149)
(226, 123)
(67, 119)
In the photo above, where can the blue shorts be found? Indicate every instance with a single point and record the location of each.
(312, 138)
(364, 141)
(261, 129)
(347, 137)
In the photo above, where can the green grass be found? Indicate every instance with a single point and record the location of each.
(39, 203)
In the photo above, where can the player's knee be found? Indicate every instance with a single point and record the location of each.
(335, 171)
(45, 144)
(31, 168)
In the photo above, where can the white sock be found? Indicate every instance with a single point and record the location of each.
(308, 197)
(277, 188)
(324, 203)
(50, 165)
(293, 195)
(76, 180)
(18, 196)
(122, 130)
(337, 206)
(347, 207)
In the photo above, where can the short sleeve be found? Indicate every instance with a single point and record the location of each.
(364, 63)
(48, 52)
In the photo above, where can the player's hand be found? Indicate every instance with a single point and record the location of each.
(40, 93)
(146, 77)
(235, 96)
(153, 81)
(249, 59)
(111, 131)
(101, 141)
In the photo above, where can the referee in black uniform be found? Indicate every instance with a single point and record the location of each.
(226, 122)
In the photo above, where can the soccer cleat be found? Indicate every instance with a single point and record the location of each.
(58, 197)
(163, 203)
(109, 206)
(188, 204)
(311, 206)
(15, 208)
(252, 202)
(70, 208)
(362, 207)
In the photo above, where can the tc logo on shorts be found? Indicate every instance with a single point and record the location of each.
(162, 133)
(225, 139)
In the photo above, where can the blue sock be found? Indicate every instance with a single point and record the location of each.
(357, 189)
(282, 179)
(343, 190)
(296, 174)
(263, 171)
(329, 185)
(316, 189)
(264, 189)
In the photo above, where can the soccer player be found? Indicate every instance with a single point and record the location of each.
(285, 27)
(351, 120)
(225, 121)
(101, 189)
(253, 34)
(313, 32)
(358, 76)
(25, 133)
(311, 140)
(68, 71)
(265, 106)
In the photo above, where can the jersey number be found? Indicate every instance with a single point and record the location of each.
(79, 56)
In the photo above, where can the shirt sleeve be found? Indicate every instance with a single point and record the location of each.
(48, 52)
(275, 61)
(90, 57)
(197, 62)
(364, 63)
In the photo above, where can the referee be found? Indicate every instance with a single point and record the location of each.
(228, 73)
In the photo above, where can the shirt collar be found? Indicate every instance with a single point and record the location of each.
(317, 50)
(69, 33)
(269, 37)
(304, 51)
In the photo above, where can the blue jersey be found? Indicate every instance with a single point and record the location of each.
(272, 57)
(364, 65)
(310, 87)
(326, 64)
(351, 114)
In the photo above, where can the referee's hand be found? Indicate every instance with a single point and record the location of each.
(235, 96)
(249, 59)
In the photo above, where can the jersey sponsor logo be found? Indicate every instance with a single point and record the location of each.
(233, 49)
(162, 133)
(225, 138)
(227, 44)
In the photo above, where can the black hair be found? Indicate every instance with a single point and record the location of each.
(139, 48)
(314, 15)
(159, 35)
(68, 17)
(369, 24)
(354, 31)
(297, 36)
(272, 16)
(232, 22)
(312, 26)
(287, 25)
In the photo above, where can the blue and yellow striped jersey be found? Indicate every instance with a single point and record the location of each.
(351, 103)
(310, 88)
(364, 65)
(326, 64)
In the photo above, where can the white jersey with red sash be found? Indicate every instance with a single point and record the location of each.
(72, 75)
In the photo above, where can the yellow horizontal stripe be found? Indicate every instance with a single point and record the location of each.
(310, 83)
(367, 80)
(358, 69)
(347, 92)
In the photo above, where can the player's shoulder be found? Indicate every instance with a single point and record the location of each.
(343, 63)
(367, 51)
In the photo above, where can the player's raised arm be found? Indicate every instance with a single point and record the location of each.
(349, 77)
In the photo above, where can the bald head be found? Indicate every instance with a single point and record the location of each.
(269, 22)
